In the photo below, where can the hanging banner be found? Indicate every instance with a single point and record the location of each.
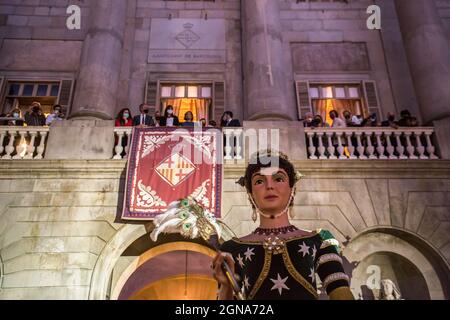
(167, 164)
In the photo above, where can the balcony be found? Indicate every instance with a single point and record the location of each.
(366, 143)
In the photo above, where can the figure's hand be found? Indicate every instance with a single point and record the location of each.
(218, 272)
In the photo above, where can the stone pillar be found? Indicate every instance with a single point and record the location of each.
(428, 51)
(442, 131)
(264, 69)
(98, 79)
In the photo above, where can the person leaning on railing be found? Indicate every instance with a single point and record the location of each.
(35, 117)
(169, 119)
(13, 118)
(56, 115)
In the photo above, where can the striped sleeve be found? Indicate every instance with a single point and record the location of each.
(329, 263)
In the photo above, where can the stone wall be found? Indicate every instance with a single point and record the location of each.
(58, 238)
(137, 69)
(331, 24)
(444, 12)
(35, 37)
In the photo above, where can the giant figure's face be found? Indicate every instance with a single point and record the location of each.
(271, 190)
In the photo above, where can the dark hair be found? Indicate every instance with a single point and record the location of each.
(318, 116)
(120, 115)
(57, 106)
(405, 113)
(165, 110)
(212, 123)
(335, 113)
(265, 159)
(228, 113)
(187, 114)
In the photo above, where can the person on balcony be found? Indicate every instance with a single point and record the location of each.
(56, 115)
(278, 260)
(15, 118)
(337, 122)
(318, 122)
(123, 118)
(157, 118)
(169, 119)
(349, 119)
(308, 121)
(370, 121)
(188, 119)
(228, 121)
(407, 120)
(390, 121)
(35, 116)
(143, 119)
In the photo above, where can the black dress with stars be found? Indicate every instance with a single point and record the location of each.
(286, 268)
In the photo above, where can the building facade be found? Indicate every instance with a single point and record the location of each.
(269, 62)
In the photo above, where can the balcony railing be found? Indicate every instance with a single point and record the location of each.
(23, 142)
(322, 143)
(122, 142)
(370, 143)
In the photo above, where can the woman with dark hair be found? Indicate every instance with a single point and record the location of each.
(169, 119)
(16, 120)
(188, 119)
(278, 260)
(124, 118)
(318, 122)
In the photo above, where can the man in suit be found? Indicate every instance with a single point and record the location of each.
(143, 119)
(228, 120)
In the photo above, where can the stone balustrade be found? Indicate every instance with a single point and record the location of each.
(326, 143)
(370, 143)
(23, 142)
(233, 144)
(122, 142)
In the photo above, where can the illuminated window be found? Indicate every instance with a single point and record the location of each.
(22, 94)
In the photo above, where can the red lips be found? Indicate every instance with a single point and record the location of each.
(270, 197)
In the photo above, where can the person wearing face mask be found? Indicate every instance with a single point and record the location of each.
(169, 119)
(35, 116)
(123, 118)
(55, 116)
(390, 122)
(228, 121)
(17, 120)
(143, 119)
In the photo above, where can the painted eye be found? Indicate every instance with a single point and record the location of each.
(187, 226)
(259, 181)
(183, 215)
(185, 202)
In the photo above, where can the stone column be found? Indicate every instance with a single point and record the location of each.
(428, 52)
(264, 69)
(98, 79)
